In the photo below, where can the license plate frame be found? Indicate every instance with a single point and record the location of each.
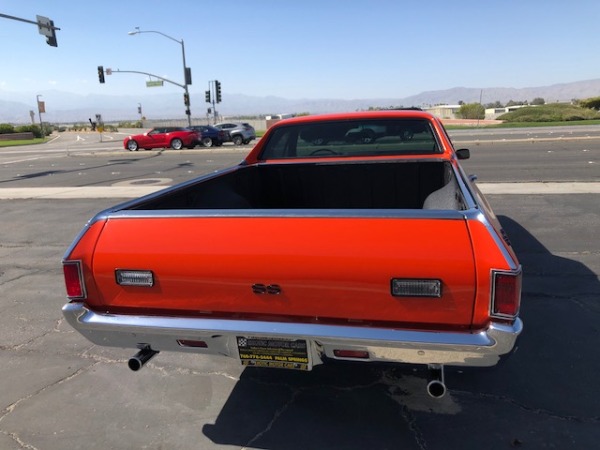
(280, 353)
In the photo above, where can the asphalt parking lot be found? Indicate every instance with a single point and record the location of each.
(60, 392)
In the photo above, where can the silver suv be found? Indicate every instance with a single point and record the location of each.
(237, 132)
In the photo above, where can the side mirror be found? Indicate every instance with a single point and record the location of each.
(463, 153)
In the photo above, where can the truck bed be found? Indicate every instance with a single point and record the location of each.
(349, 185)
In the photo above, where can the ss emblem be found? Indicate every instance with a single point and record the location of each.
(273, 289)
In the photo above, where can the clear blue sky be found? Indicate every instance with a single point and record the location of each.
(341, 49)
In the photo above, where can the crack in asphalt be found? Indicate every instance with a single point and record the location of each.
(590, 308)
(18, 440)
(276, 416)
(386, 379)
(10, 408)
(539, 411)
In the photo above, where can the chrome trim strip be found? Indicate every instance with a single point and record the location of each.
(482, 348)
(479, 216)
(284, 213)
(460, 175)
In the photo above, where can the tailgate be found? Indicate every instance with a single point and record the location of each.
(315, 269)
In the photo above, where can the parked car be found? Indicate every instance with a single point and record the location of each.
(238, 132)
(209, 136)
(162, 137)
(383, 252)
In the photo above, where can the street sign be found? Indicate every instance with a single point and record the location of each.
(45, 26)
(154, 83)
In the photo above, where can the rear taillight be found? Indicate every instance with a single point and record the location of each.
(506, 294)
(74, 280)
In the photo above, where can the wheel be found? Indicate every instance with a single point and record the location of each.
(367, 136)
(207, 142)
(324, 151)
(237, 140)
(176, 144)
(132, 146)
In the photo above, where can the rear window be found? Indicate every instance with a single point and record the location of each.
(352, 138)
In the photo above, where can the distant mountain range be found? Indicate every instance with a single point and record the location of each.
(65, 107)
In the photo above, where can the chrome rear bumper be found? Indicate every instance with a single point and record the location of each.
(483, 348)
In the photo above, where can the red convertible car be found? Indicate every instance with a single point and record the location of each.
(162, 137)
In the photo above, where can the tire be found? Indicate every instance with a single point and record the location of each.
(176, 144)
(207, 142)
(132, 146)
(368, 136)
(237, 140)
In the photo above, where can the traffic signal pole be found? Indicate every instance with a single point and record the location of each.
(45, 27)
(213, 96)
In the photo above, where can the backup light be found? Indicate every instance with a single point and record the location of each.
(134, 277)
(416, 288)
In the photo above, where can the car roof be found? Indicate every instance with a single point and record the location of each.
(385, 114)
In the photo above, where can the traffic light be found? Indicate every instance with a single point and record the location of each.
(51, 40)
(207, 96)
(186, 99)
(101, 74)
(218, 91)
(47, 28)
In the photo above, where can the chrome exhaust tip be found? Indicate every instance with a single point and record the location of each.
(436, 388)
(138, 361)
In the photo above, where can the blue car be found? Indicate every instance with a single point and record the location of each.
(209, 136)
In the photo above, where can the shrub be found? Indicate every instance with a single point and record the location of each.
(549, 113)
(6, 128)
(32, 128)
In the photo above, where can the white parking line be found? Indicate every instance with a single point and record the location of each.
(132, 191)
(540, 188)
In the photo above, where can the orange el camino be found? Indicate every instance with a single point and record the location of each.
(352, 236)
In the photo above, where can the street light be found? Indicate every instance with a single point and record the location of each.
(187, 78)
